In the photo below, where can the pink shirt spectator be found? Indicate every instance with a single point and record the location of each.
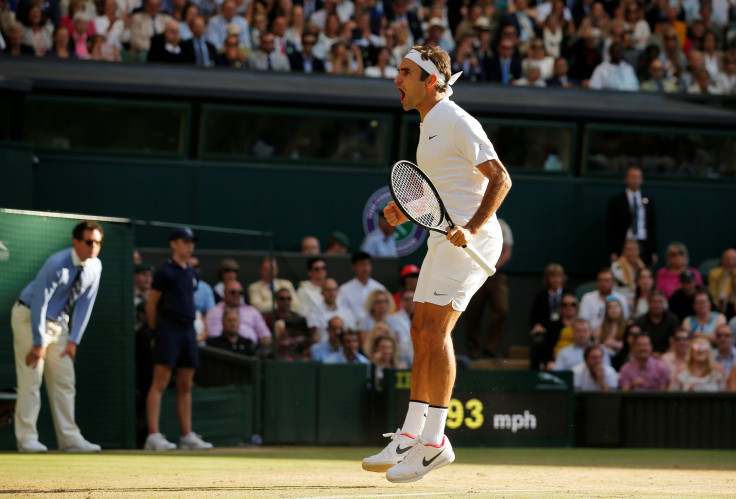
(80, 45)
(668, 282)
(655, 375)
(252, 325)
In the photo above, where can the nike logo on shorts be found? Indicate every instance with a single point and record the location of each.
(431, 137)
(399, 450)
(427, 463)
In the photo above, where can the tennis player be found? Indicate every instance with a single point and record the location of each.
(456, 154)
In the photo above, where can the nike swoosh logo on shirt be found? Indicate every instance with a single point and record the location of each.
(426, 463)
(440, 294)
(431, 137)
(399, 450)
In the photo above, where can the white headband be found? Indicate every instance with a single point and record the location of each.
(429, 67)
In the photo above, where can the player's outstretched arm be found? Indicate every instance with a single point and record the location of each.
(393, 214)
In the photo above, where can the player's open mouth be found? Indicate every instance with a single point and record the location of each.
(403, 94)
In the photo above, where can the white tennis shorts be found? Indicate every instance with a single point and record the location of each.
(449, 275)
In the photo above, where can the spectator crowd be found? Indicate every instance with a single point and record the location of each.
(638, 329)
(686, 46)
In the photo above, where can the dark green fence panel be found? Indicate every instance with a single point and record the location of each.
(343, 404)
(16, 176)
(223, 415)
(290, 402)
(104, 365)
(656, 420)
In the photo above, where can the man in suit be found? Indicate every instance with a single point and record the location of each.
(144, 25)
(305, 61)
(505, 66)
(560, 78)
(266, 58)
(197, 49)
(631, 216)
(310, 7)
(526, 26)
(167, 47)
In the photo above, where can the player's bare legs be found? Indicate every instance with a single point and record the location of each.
(433, 373)
(432, 379)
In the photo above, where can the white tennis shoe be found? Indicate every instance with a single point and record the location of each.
(423, 458)
(193, 442)
(156, 441)
(392, 454)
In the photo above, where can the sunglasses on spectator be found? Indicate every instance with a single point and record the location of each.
(236, 292)
(283, 298)
(90, 242)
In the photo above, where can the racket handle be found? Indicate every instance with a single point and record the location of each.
(480, 260)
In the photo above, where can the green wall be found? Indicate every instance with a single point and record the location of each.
(553, 218)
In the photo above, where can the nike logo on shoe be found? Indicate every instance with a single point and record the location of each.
(399, 450)
(431, 137)
(426, 462)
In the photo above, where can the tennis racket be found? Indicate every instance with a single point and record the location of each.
(417, 198)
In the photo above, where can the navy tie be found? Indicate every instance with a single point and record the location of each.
(635, 217)
(76, 288)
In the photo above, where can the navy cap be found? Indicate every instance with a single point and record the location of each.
(183, 233)
(143, 267)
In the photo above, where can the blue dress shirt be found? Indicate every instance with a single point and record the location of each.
(50, 291)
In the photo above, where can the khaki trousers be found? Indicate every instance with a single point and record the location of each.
(56, 370)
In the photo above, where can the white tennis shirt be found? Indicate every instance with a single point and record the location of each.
(451, 144)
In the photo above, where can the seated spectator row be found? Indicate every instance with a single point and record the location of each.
(655, 47)
(675, 314)
(357, 322)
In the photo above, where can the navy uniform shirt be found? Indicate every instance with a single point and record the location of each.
(177, 286)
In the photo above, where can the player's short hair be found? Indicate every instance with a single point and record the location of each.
(439, 58)
(78, 231)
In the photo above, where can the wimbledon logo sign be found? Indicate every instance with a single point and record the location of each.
(408, 236)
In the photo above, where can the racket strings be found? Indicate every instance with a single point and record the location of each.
(416, 196)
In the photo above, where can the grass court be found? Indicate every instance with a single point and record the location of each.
(335, 472)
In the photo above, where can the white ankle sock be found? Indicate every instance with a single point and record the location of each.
(434, 428)
(415, 418)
